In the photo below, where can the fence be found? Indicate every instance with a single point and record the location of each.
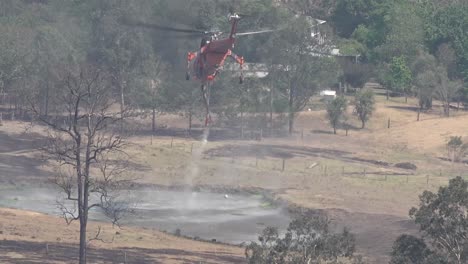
(316, 167)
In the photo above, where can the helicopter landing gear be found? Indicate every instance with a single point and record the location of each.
(240, 61)
(190, 57)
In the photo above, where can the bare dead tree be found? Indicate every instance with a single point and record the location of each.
(89, 154)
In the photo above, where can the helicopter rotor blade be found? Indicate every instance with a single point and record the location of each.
(163, 28)
(256, 32)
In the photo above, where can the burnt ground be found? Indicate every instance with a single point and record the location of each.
(374, 233)
(19, 161)
(289, 152)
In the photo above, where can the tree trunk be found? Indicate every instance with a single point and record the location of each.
(190, 121)
(84, 218)
(122, 107)
(291, 122)
(334, 129)
(46, 99)
(83, 226)
(291, 110)
(46, 103)
(271, 109)
(242, 119)
(153, 121)
(363, 124)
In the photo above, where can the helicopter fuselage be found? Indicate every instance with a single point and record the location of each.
(210, 58)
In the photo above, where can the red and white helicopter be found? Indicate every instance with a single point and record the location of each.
(205, 63)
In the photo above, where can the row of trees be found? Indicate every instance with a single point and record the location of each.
(39, 37)
(442, 218)
(308, 239)
(363, 107)
(416, 47)
(409, 51)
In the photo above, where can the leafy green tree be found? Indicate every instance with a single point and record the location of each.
(443, 219)
(15, 62)
(408, 249)
(447, 23)
(10, 8)
(148, 86)
(297, 72)
(405, 33)
(446, 89)
(426, 85)
(364, 104)
(463, 95)
(355, 74)
(308, 240)
(399, 76)
(424, 69)
(456, 149)
(352, 47)
(335, 111)
(369, 14)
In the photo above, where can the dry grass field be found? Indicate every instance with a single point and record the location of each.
(28, 237)
(351, 178)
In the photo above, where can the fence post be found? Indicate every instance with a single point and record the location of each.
(407, 178)
(47, 248)
(364, 172)
(385, 177)
(191, 148)
(388, 125)
(256, 161)
(342, 171)
(302, 134)
(261, 134)
(419, 112)
(172, 141)
(427, 179)
(284, 165)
